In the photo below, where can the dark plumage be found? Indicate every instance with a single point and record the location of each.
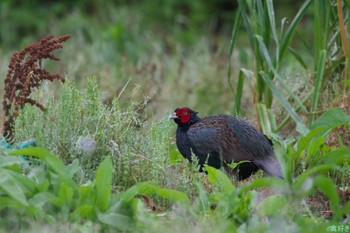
(222, 139)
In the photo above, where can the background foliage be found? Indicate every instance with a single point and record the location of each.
(110, 162)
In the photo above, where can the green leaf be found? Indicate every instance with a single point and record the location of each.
(337, 156)
(84, 212)
(103, 183)
(287, 37)
(87, 195)
(144, 188)
(54, 163)
(27, 185)
(203, 197)
(234, 34)
(282, 100)
(66, 194)
(117, 220)
(173, 196)
(310, 172)
(263, 182)
(40, 199)
(220, 179)
(272, 205)
(243, 73)
(327, 186)
(12, 187)
(175, 156)
(264, 118)
(6, 161)
(331, 119)
(9, 202)
(303, 142)
(73, 167)
(318, 81)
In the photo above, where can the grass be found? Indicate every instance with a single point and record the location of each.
(110, 162)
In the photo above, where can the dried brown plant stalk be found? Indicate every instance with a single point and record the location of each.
(24, 75)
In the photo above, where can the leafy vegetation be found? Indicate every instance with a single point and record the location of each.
(106, 160)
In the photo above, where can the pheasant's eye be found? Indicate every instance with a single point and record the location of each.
(185, 113)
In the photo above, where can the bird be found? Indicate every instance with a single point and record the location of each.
(220, 140)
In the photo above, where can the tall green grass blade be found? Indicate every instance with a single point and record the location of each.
(245, 16)
(239, 92)
(271, 13)
(287, 118)
(287, 38)
(299, 58)
(268, 60)
(103, 183)
(282, 99)
(318, 82)
(235, 31)
(321, 28)
(264, 118)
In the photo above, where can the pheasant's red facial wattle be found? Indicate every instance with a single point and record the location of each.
(184, 114)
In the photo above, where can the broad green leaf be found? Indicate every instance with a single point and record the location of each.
(310, 172)
(337, 156)
(66, 194)
(331, 119)
(103, 183)
(304, 141)
(40, 199)
(219, 179)
(72, 168)
(27, 185)
(263, 182)
(87, 195)
(173, 196)
(84, 212)
(327, 186)
(315, 145)
(54, 163)
(9, 202)
(120, 221)
(6, 161)
(12, 187)
(144, 188)
(203, 197)
(175, 156)
(272, 205)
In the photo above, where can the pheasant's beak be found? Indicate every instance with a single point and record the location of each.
(173, 116)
